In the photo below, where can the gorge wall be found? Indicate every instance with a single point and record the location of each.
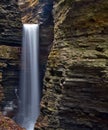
(13, 15)
(76, 79)
(10, 39)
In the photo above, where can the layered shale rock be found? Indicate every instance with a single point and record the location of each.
(10, 23)
(36, 11)
(28, 10)
(10, 39)
(76, 80)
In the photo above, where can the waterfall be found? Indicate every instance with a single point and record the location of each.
(29, 84)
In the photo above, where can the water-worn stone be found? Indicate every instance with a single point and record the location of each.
(8, 124)
(78, 68)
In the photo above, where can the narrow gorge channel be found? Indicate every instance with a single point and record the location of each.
(29, 100)
(72, 61)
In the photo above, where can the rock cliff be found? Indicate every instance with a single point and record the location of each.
(10, 23)
(10, 39)
(76, 79)
(28, 10)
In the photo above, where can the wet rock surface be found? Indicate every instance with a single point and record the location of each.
(76, 79)
(38, 11)
(10, 42)
(9, 78)
(8, 124)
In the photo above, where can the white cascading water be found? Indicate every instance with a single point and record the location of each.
(29, 94)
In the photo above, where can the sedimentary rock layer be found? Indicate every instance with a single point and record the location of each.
(10, 23)
(76, 79)
(10, 39)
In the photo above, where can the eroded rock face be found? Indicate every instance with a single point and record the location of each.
(76, 80)
(10, 39)
(37, 11)
(10, 23)
(28, 10)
